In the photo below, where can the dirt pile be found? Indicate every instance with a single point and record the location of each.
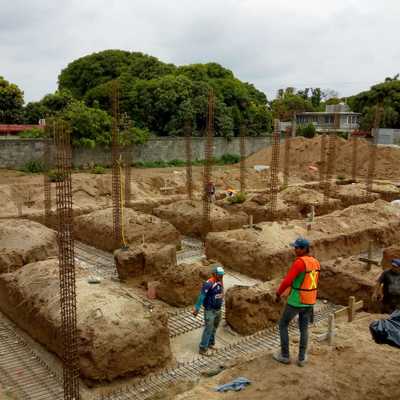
(117, 336)
(187, 217)
(348, 371)
(96, 229)
(180, 286)
(352, 194)
(23, 242)
(251, 309)
(389, 254)
(346, 277)
(147, 260)
(306, 152)
(265, 253)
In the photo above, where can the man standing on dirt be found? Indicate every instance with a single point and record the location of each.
(211, 298)
(302, 283)
(387, 288)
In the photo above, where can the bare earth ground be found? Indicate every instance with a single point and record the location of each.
(355, 368)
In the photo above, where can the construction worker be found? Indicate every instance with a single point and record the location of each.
(387, 289)
(300, 287)
(211, 298)
(210, 191)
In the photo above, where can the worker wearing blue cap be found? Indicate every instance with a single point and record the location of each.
(387, 289)
(300, 287)
(211, 298)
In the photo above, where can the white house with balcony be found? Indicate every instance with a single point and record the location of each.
(336, 117)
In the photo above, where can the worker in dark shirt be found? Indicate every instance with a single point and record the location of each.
(387, 289)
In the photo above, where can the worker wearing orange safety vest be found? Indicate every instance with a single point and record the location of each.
(300, 286)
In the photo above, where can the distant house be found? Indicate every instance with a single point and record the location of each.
(336, 117)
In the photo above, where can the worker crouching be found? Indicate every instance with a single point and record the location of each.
(300, 286)
(211, 298)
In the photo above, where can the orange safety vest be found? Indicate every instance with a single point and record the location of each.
(308, 288)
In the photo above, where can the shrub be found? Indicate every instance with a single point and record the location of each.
(33, 167)
(32, 133)
(229, 159)
(307, 131)
(238, 198)
(55, 176)
(98, 169)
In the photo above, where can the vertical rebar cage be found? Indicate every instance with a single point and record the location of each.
(243, 133)
(188, 148)
(286, 162)
(208, 186)
(274, 180)
(354, 157)
(47, 165)
(330, 167)
(65, 236)
(116, 168)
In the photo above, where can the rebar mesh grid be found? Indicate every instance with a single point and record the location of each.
(322, 162)
(66, 257)
(243, 133)
(47, 163)
(331, 167)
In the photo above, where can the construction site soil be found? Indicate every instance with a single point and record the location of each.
(108, 321)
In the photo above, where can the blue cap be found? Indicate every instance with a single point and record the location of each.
(218, 270)
(396, 262)
(301, 243)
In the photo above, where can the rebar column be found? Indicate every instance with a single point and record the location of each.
(243, 132)
(322, 162)
(66, 259)
(116, 168)
(354, 140)
(208, 186)
(47, 161)
(274, 180)
(286, 161)
(128, 174)
(189, 170)
(331, 167)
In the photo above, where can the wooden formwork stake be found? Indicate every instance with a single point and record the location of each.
(331, 329)
(351, 308)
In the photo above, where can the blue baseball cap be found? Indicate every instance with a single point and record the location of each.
(301, 243)
(218, 270)
(396, 262)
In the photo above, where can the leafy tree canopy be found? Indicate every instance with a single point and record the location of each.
(11, 102)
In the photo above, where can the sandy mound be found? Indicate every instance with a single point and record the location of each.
(96, 229)
(346, 277)
(251, 309)
(305, 152)
(116, 335)
(187, 217)
(352, 194)
(23, 241)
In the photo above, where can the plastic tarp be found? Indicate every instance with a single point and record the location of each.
(387, 331)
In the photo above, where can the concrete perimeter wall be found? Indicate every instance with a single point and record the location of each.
(14, 153)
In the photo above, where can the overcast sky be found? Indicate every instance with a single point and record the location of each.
(346, 45)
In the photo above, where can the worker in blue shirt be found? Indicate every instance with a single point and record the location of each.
(211, 298)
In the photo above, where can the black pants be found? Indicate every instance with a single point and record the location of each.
(305, 317)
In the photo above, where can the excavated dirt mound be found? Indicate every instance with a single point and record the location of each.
(389, 254)
(23, 242)
(352, 194)
(180, 286)
(145, 260)
(187, 217)
(346, 277)
(117, 336)
(251, 309)
(96, 229)
(265, 253)
(306, 152)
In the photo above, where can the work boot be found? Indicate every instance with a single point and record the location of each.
(303, 362)
(204, 352)
(280, 358)
(213, 347)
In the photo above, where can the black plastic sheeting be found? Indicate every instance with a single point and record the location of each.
(387, 331)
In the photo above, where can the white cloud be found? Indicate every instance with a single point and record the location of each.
(345, 45)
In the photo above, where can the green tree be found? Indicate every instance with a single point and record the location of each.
(288, 103)
(11, 102)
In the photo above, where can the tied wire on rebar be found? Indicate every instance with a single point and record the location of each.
(47, 162)
(208, 186)
(188, 149)
(66, 257)
(274, 179)
(116, 170)
(372, 152)
(354, 140)
(286, 162)
(243, 133)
